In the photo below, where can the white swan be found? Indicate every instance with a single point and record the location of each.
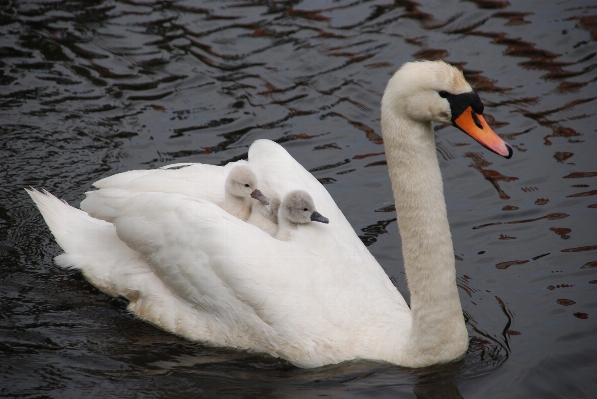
(319, 298)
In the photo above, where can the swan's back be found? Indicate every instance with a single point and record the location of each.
(195, 180)
(280, 172)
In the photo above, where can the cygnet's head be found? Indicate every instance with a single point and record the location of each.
(298, 208)
(242, 182)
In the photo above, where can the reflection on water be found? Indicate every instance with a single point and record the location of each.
(92, 88)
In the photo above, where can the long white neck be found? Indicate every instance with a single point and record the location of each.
(438, 330)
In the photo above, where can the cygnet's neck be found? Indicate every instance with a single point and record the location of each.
(438, 331)
(236, 206)
(285, 228)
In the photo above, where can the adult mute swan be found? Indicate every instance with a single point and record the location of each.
(320, 297)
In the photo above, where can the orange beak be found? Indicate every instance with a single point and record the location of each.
(475, 126)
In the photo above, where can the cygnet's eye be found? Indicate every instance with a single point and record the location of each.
(246, 185)
(306, 209)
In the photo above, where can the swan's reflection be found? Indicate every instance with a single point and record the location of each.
(439, 382)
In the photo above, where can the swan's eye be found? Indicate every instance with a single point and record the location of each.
(443, 94)
(306, 209)
(246, 185)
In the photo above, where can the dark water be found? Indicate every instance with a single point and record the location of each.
(92, 88)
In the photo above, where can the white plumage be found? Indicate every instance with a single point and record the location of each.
(320, 297)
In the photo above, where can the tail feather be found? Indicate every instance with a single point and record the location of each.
(92, 246)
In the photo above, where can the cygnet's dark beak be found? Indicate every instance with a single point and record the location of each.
(318, 217)
(259, 197)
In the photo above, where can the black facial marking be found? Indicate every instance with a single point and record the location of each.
(246, 185)
(477, 121)
(460, 102)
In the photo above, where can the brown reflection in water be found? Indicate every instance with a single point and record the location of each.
(592, 206)
(578, 175)
(312, 15)
(562, 156)
(368, 155)
(417, 41)
(492, 176)
(562, 232)
(516, 47)
(494, 123)
(539, 59)
(505, 265)
(513, 17)
(382, 64)
(326, 180)
(570, 87)
(482, 84)
(581, 249)
(551, 287)
(583, 194)
(565, 302)
(369, 131)
(490, 4)
(431, 54)
(589, 265)
(377, 163)
(329, 166)
(519, 148)
(352, 57)
(291, 137)
(541, 201)
(412, 12)
(505, 237)
(559, 131)
(510, 208)
(588, 23)
(580, 315)
(551, 216)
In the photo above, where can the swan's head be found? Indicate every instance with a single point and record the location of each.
(435, 91)
(298, 208)
(242, 182)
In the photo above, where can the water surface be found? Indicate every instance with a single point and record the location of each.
(93, 88)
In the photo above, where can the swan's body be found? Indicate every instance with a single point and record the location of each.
(319, 297)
